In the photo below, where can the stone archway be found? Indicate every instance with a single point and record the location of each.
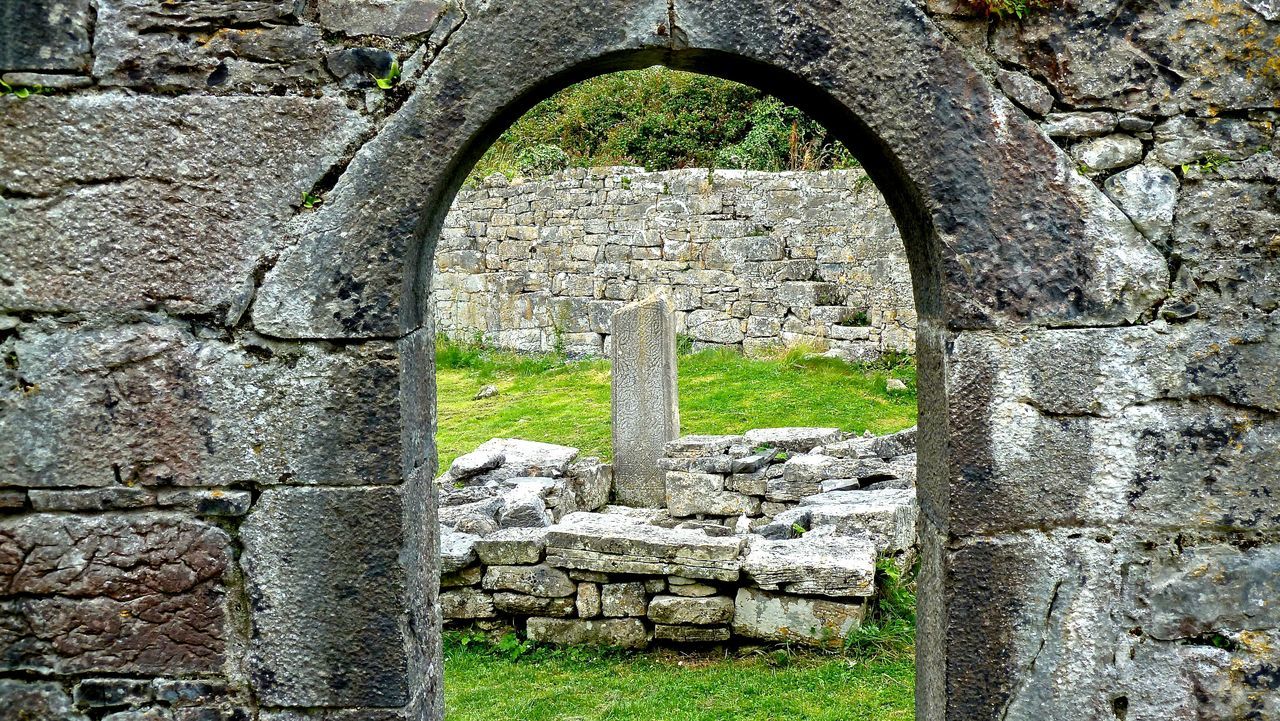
(1005, 240)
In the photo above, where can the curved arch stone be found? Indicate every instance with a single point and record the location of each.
(1003, 235)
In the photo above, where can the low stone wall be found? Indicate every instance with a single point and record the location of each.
(773, 535)
(749, 260)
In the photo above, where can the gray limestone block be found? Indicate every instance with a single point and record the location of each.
(1025, 91)
(365, 714)
(469, 576)
(211, 181)
(699, 446)
(613, 632)
(677, 610)
(623, 599)
(464, 604)
(1183, 140)
(1079, 125)
(185, 692)
(1148, 194)
(457, 550)
(589, 600)
(830, 566)
(45, 35)
(616, 543)
(693, 589)
(887, 517)
(1108, 152)
(161, 578)
(324, 563)
(150, 403)
(1208, 589)
(792, 440)
(795, 619)
(691, 494)
(520, 604)
(512, 547)
(542, 580)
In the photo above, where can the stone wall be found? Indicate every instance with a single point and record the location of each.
(749, 260)
(773, 535)
(1099, 384)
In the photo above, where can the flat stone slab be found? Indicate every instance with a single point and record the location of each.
(887, 516)
(457, 550)
(829, 566)
(691, 494)
(700, 446)
(617, 543)
(614, 632)
(691, 634)
(526, 458)
(792, 440)
(810, 621)
(512, 547)
(677, 610)
(465, 604)
(542, 581)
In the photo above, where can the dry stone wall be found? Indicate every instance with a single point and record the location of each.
(749, 260)
(1097, 343)
(773, 535)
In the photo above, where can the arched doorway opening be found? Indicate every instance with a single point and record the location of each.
(1001, 235)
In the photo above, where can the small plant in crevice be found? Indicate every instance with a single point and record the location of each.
(311, 201)
(1208, 164)
(391, 79)
(1020, 9)
(23, 92)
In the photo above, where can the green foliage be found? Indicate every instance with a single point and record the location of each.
(391, 79)
(23, 92)
(1016, 8)
(590, 684)
(1208, 164)
(542, 159)
(662, 119)
(310, 201)
(545, 397)
(889, 631)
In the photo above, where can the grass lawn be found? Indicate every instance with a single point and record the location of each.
(582, 685)
(544, 398)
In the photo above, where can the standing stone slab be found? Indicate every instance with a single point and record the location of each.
(327, 596)
(646, 414)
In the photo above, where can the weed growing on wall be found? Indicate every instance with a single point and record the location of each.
(1014, 8)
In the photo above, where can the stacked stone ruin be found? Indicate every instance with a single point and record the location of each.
(770, 536)
(752, 261)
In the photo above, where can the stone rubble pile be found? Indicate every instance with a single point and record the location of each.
(772, 535)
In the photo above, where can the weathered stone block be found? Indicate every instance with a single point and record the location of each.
(45, 35)
(827, 565)
(589, 600)
(466, 604)
(214, 413)
(676, 610)
(138, 594)
(612, 543)
(691, 494)
(183, 220)
(36, 700)
(623, 599)
(512, 547)
(792, 440)
(324, 575)
(691, 634)
(810, 621)
(543, 581)
(93, 499)
(618, 632)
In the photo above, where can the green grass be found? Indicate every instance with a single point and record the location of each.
(544, 398)
(482, 684)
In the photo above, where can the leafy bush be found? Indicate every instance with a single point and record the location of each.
(890, 627)
(542, 159)
(663, 119)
